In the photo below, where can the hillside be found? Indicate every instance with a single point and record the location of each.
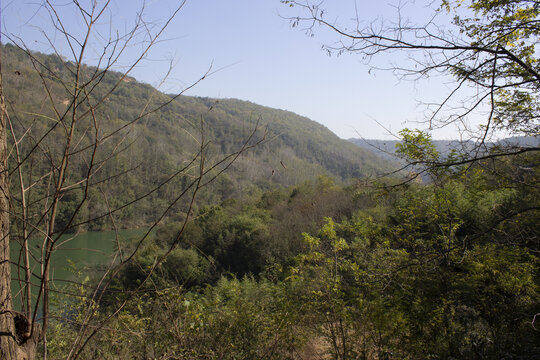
(149, 149)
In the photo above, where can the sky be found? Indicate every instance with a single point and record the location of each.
(255, 55)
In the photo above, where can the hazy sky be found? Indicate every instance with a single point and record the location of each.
(259, 58)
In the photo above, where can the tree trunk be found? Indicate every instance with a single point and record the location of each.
(16, 340)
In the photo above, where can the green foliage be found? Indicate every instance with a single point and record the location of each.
(236, 319)
(507, 29)
(249, 236)
(429, 280)
(448, 270)
(336, 282)
(186, 266)
(155, 147)
(416, 145)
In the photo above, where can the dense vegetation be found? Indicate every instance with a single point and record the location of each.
(149, 149)
(447, 270)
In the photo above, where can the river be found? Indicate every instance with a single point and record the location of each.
(73, 253)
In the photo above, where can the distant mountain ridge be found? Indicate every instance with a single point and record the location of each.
(386, 148)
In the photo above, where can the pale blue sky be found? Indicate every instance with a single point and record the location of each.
(261, 59)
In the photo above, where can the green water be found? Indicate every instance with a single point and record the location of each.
(90, 248)
(73, 252)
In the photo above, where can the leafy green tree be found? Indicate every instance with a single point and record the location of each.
(340, 285)
(434, 274)
(491, 48)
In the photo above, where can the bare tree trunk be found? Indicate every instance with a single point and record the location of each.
(17, 340)
(19, 331)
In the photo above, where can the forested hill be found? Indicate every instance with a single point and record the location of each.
(150, 148)
(305, 147)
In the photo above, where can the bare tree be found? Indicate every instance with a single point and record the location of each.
(488, 47)
(39, 161)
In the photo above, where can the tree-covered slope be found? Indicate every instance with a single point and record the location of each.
(147, 136)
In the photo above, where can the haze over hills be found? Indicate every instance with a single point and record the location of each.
(386, 148)
(154, 146)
